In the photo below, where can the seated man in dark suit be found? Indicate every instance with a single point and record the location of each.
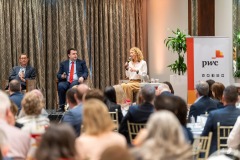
(22, 72)
(15, 93)
(203, 103)
(71, 72)
(139, 113)
(227, 116)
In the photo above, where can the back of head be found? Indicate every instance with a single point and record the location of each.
(57, 143)
(147, 93)
(170, 86)
(70, 95)
(217, 89)
(110, 94)
(163, 87)
(96, 119)
(32, 104)
(94, 93)
(174, 104)
(81, 90)
(116, 153)
(4, 104)
(210, 83)
(14, 86)
(165, 139)
(230, 94)
(202, 88)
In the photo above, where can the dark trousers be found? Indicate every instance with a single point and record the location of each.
(62, 89)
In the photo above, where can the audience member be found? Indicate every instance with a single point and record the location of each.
(170, 86)
(233, 141)
(23, 71)
(110, 101)
(210, 83)
(18, 141)
(98, 134)
(41, 98)
(163, 140)
(57, 143)
(217, 92)
(203, 103)
(226, 116)
(32, 106)
(177, 106)
(12, 119)
(163, 89)
(74, 115)
(15, 93)
(116, 153)
(94, 93)
(139, 113)
(135, 69)
(71, 72)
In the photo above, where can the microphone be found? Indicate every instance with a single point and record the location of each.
(129, 59)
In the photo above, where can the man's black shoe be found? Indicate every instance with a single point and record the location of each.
(60, 110)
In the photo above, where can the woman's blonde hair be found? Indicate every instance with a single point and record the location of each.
(138, 53)
(96, 119)
(165, 139)
(32, 104)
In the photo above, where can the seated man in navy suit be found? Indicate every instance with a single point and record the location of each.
(203, 103)
(227, 116)
(71, 72)
(139, 113)
(22, 72)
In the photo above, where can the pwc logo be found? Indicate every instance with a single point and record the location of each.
(219, 54)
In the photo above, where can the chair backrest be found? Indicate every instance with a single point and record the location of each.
(134, 128)
(31, 84)
(201, 146)
(222, 135)
(114, 117)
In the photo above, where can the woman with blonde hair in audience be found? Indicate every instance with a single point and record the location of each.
(217, 92)
(57, 143)
(33, 123)
(164, 139)
(98, 131)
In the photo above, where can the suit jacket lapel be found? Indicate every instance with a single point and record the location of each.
(67, 66)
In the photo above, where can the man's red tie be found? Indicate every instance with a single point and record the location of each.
(71, 73)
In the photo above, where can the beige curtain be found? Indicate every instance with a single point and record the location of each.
(114, 26)
(44, 29)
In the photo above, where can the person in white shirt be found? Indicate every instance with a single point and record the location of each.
(233, 140)
(135, 69)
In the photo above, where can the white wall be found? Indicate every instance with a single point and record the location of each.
(223, 20)
(164, 16)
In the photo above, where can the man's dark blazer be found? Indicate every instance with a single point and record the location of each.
(81, 69)
(227, 116)
(203, 105)
(17, 97)
(30, 73)
(74, 118)
(136, 114)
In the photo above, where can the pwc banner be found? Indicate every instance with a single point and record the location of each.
(208, 58)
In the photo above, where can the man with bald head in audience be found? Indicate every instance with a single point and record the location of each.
(18, 141)
(15, 93)
(139, 113)
(75, 114)
(203, 103)
(163, 89)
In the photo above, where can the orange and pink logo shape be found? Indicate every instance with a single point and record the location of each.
(219, 54)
